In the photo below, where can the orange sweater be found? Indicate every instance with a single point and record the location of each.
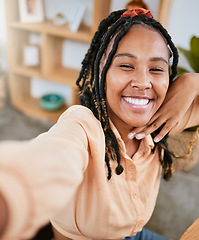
(61, 175)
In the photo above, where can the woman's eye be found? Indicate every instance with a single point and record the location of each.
(126, 66)
(156, 70)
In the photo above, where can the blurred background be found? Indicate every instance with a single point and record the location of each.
(41, 51)
(42, 44)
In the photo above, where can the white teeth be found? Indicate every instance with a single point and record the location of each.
(137, 101)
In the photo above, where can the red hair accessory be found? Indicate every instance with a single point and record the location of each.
(137, 11)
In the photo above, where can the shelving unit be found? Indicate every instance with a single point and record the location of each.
(50, 67)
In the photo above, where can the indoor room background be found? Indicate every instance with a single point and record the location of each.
(177, 205)
(182, 23)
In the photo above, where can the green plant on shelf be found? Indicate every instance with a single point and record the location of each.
(191, 55)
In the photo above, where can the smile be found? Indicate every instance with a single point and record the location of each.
(137, 101)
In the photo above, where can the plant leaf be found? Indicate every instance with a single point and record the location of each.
(190, 58)
(194, 45)
(186, 53)
(194, 49)
(182, 70)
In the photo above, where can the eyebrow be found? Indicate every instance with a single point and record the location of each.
(153, 59)
(157, 59)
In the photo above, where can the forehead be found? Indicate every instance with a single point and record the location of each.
(142, 38)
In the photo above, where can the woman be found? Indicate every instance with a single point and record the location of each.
(96, 173)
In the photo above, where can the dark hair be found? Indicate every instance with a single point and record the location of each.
(93, 94)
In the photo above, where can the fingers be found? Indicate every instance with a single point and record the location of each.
(165, 130)
(140, 133)
(151, 126)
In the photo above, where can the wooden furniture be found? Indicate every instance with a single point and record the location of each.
(163, 13)
(50, 67)
(192, 233)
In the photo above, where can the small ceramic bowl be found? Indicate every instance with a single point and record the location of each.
(51, 102)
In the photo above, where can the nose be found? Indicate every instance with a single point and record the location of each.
(141, 81)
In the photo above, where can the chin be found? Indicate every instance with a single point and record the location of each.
(139, 123)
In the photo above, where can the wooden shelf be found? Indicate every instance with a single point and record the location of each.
(31, 107)
(61, 75)
(27, 71)
(48, 27)
(50, 69)
(64, 75)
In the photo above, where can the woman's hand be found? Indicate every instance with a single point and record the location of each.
(178, 100)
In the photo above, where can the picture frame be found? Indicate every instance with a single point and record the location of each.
(31, 11)
(31, 55)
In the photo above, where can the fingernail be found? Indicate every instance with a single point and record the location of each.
(140, 136)
(156, 139)
(131, 135)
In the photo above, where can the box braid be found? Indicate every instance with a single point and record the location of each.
(91, 85)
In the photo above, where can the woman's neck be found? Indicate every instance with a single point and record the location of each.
(131, 145)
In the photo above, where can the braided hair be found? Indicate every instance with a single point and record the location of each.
(91, 86)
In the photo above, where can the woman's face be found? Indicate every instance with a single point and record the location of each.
(138, 78)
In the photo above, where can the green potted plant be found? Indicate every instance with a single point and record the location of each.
(179, 143)
(192, 55)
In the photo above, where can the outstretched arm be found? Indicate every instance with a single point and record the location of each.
(175, 110)
(39, 177)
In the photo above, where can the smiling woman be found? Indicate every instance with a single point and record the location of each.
(133, 61)
(85, 173)
(138, 79)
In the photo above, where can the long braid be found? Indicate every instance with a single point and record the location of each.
(95, 44)
(87, 97)
(92, 89)
(111, 141)
(90, 70)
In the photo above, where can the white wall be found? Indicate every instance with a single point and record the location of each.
(184, 21)
(3, 61)
(120, 4)
(2, 22)
(183, 24)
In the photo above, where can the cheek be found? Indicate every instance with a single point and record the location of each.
(165, 86)
(161, 90)
(115, 81)
(110, 83)
(113, 89)
(161, 85)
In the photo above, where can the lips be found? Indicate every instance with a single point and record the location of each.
(137, 101)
